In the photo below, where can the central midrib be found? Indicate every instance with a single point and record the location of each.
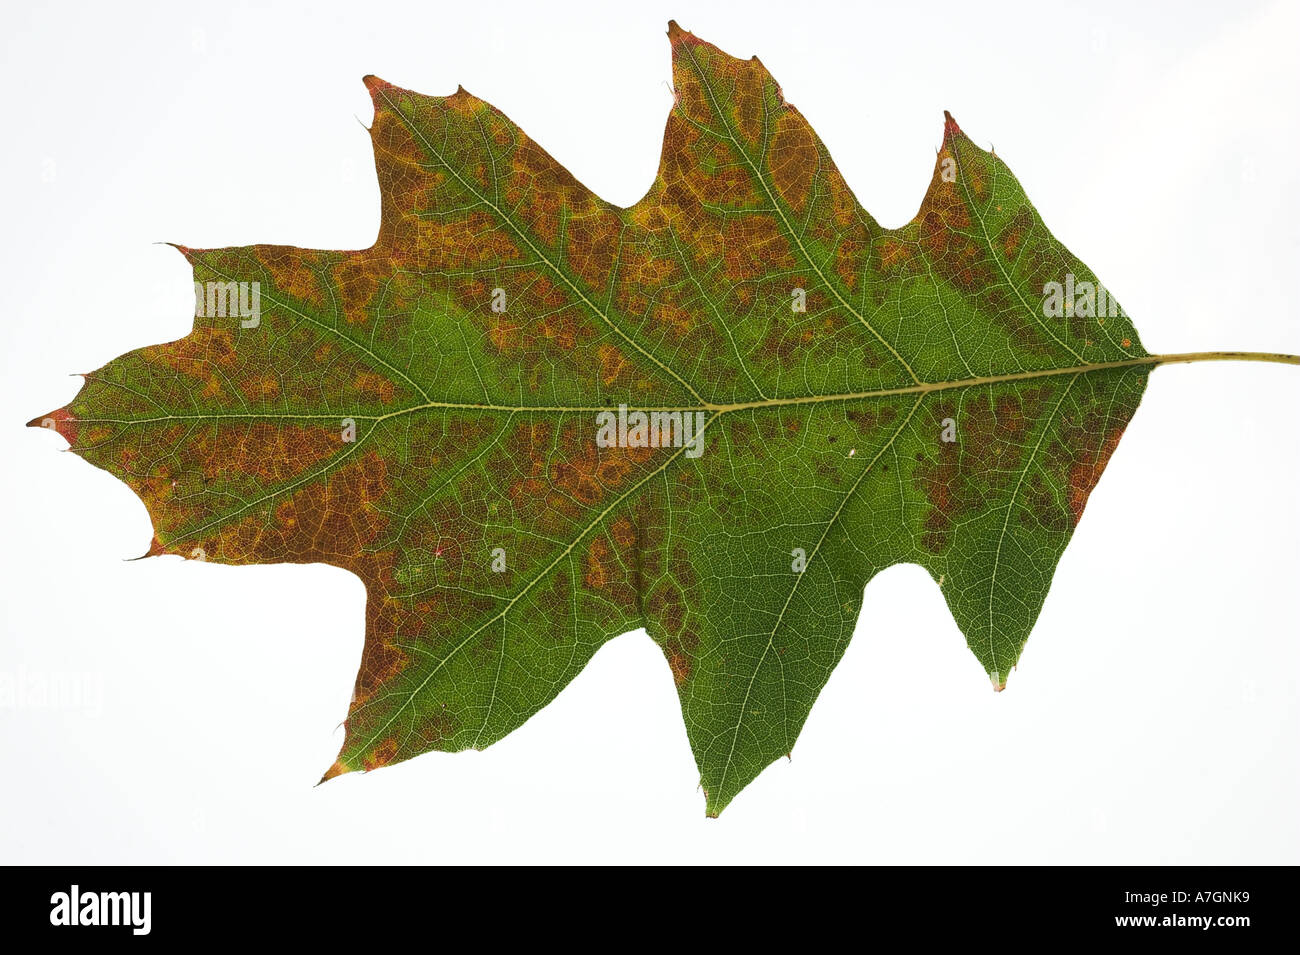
(719, 408)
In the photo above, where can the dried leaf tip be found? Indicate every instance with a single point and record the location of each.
(184, 250)
(677, 36)
(156, 549)
(337, 769)
(60, 421)
(950, 127)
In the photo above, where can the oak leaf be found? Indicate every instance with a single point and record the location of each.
(530, 420)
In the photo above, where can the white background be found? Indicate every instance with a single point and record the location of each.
(1157, 723)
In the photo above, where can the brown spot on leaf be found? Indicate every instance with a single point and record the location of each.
(1088, 470)
(754, 247)
(291, 273)
(792, 159)
(612, 362)
(381, 755)
(367, 382)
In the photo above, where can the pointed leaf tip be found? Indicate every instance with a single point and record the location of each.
(337, 769)
(60, 421)
(950, 127)
(378, 89)
(156, 548)
(678, 36)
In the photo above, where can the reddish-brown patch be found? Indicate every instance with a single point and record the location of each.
(792, 159)
(258, 387)
(695, 169)
(950, 127)
(475, 241)
(560, 481)
(592, 246)
(869, 419)
(844, 205)
(291, 274)
(894, 253)
(1087, 472)
(667, 608)
(197, 353)
(754, 247)
(965, 475)
(611, 363)
(503, 332)
(358, 277)
(539, 188)
(435, 728)
(747, 82)
(624, 534)
(367, 382)
(381, 755)
(271, 453)
(1014, 234)
(680, 664)
(405, 182)
(676, 318)
(563, 328)
(600, 568)
(680, 38)
(849, 255)
(61, 421)
(942, 213)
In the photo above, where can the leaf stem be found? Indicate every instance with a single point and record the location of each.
(1225, 356)
(925, 387)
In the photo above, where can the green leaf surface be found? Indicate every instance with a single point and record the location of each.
(424, 413)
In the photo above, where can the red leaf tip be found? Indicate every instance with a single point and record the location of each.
(378, 89)
(678, 37)
(60, 421)
(950, 127)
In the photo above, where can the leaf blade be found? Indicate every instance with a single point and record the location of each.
(473, 426)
